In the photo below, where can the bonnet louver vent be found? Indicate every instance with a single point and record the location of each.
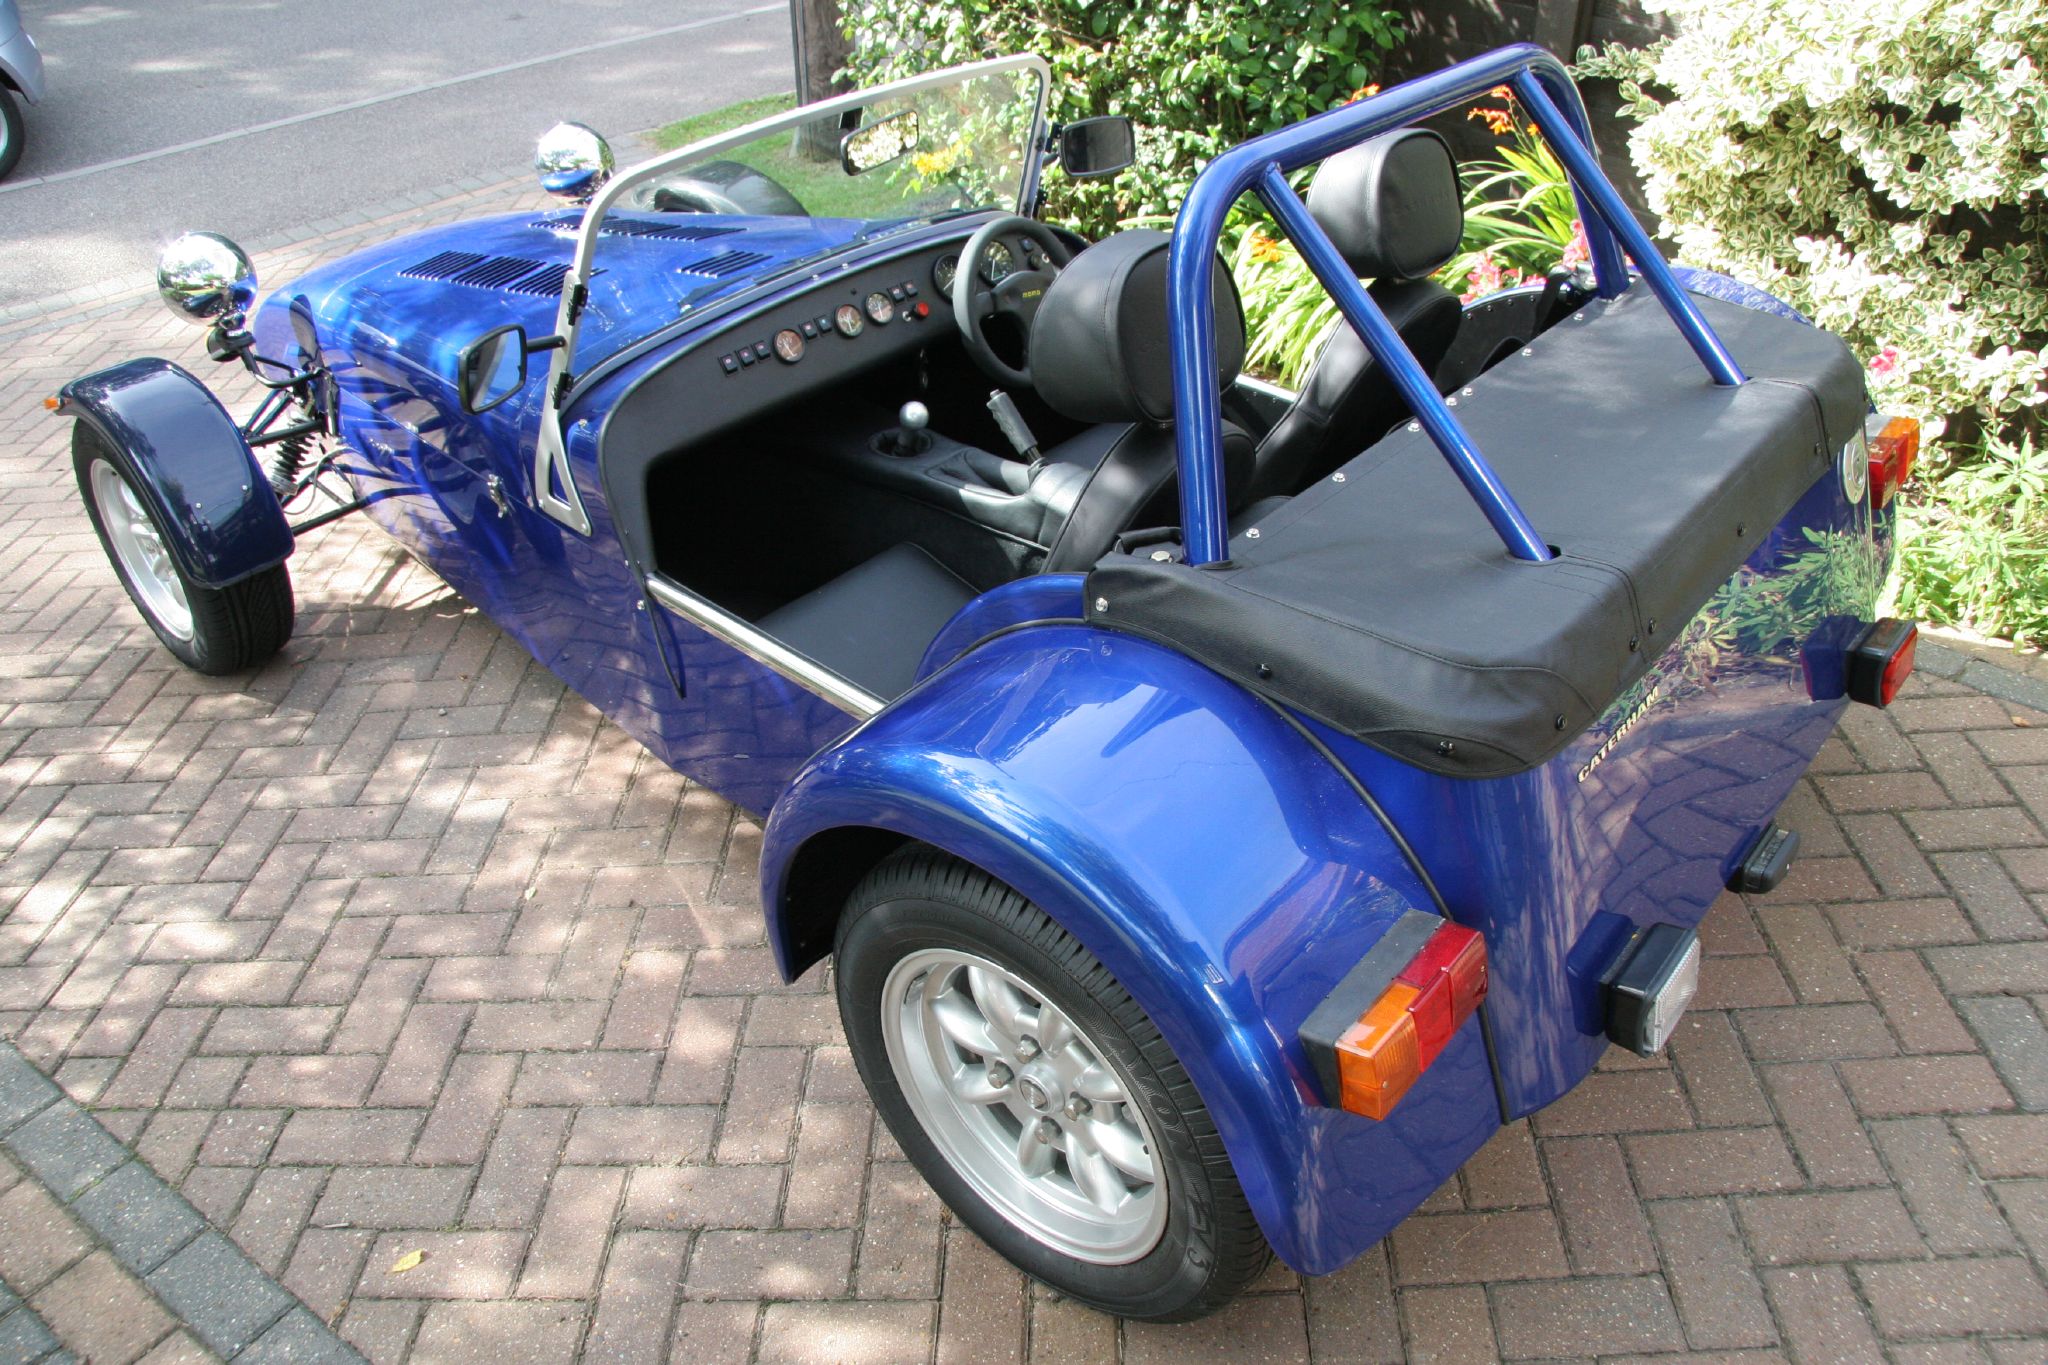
(514, 274)
(633, 227)
(724, 263)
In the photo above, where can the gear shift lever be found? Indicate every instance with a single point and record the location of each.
(910, 436)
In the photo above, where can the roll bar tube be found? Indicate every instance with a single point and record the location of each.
(1261, 165)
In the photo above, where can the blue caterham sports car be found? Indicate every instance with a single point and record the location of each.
(1225, 806)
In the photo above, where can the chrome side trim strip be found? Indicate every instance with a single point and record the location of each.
(745, 637)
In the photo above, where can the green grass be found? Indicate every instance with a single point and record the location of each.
(822, 187)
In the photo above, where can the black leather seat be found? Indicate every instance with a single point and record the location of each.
(873, 623)
(1099, 353)
(1393, 210)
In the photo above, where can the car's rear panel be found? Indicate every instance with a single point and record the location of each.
(1643, 818)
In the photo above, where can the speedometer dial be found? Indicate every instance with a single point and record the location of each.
(880, 309)
(997, 263)
(848, 320)
(943, 274)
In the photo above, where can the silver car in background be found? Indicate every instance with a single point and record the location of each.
(21, 78)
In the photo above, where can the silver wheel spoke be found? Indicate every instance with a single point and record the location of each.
(138, 548)
(959, 1020)
(1122, 1148)
(972, 1085)
(1055, 1030)
(1099, 1085)
(1001, 1004)
(1034, 1153)
(1094, 1176)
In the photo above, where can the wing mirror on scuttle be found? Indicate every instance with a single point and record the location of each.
(573, 162)
(1093, 147)
(493, 367)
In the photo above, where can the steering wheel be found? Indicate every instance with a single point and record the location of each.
(1016, 295)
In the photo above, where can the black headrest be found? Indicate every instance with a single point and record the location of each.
(1392, 205)
(1099, 348)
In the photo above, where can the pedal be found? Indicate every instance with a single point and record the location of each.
(1767, 862)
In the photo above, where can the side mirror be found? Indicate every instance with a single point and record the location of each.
(878, 143)
(1094, 147)
(573, 162)
(204, 278)
(492, 368)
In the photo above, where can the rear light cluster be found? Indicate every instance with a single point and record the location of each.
(1894, 445)
(1882, 660)
(1395, 1012)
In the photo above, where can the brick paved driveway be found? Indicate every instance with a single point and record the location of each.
(394, 946)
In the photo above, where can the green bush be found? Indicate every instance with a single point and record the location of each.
(1973, 545)
(1883, 166)
(1196, 77)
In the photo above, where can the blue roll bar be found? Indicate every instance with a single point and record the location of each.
(1261, 165)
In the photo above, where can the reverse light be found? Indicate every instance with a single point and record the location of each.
(1396, 1012)
(1894, 446)
(1882, 660)
(1653, 979)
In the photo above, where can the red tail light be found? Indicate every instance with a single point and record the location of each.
(1893, 449)
(1411, 1022)
(1882, 661)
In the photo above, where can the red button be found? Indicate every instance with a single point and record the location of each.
(923, 309)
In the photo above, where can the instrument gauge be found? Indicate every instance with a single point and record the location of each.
(997, 263)
(880, 310)
(944, 273)
(848, 320)
(789, 346)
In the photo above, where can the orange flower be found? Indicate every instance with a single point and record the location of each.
(1500, 92)
(1363, 92)
(1266, 250)
(1500, 121)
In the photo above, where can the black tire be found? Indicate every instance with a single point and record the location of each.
(13, 131)
(233, 628)
(1210, 1248)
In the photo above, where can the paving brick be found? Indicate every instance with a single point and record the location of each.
(899, 1238)
(472, 1094)
(454, 1265)
(393, 1197)
(41, 1241)
(137, 1215)
(307, 1082)
(569, 1243)
(101, 1312)
(827, 1172)
(1722, 1161)
(1617, 1102)
(760, 1112)
(2001, 1295)
(1901, 924)
(1717, 1074)
(715, 1333)
(637, 1299)
(608, 1078)
(797, 1333)
(1919, 1014)
(490, 1333)
(1844, 1225)
(219, 1294)
(781, 1265)
(327, 1138)
(2006, 1145)
(1999, 909)
(2012, 1033)
(1719, 1300)
(65, 1149)
(1449, 1326)
(702, 1196)
(1504, 1173)
(1991, 968)
(1822, 1318)
(1467, 1248)
(1925, 1085)
(1604, 1227)
(515, 1173)
(1946, 1199)
(1819, 970)
(1585, 1317)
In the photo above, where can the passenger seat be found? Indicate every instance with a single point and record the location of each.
(872, 624)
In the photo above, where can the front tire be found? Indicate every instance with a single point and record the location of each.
(1035, 1095)
(212, 630)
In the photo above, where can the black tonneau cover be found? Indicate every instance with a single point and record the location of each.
(1381, 602)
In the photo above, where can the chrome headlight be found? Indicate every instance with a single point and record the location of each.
(573, 162)
(203, 277)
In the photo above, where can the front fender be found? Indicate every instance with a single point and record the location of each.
(1198, 845)
(220, 519)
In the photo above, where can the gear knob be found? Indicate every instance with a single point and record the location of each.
(914, 416)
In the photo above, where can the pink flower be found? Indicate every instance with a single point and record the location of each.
(1489, 276)
(1885, 361)
(1577, 251)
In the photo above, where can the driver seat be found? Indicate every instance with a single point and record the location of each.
(1099, 353)
(1393, 210)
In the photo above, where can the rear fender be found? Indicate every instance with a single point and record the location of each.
(220, 519)
(1197, 844)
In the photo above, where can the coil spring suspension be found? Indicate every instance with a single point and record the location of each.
(289, 463)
